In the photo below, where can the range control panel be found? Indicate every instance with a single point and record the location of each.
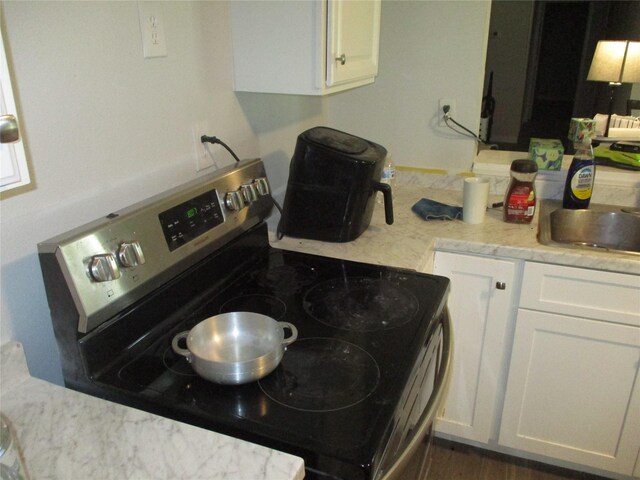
(190, 219)
(114, 261)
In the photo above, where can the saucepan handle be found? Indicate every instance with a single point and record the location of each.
(294, 332)
(179, 350)
(385, 188)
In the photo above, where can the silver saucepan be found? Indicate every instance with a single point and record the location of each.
(236, 347)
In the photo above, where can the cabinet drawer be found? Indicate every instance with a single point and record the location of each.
(596, 294)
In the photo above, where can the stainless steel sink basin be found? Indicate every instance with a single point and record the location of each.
(602, 227)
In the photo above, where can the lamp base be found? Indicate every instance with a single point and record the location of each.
(612, 86)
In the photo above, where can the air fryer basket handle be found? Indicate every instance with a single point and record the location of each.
(388, 202)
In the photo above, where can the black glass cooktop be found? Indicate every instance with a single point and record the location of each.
(331, 399)
(321, 375)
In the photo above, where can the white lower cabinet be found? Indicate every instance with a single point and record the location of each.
(546, 362)
(481, 302)
(573, 390)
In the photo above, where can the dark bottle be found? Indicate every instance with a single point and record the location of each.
(582, 173)
(520, 197)
(486, 114)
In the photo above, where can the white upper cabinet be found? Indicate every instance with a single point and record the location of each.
(307, 47)
(352, 46)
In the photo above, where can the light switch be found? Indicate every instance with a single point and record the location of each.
(152, 29)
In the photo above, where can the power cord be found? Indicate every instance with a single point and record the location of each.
(467, 133)
(215, 140)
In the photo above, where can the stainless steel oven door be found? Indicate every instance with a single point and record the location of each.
(414, 456)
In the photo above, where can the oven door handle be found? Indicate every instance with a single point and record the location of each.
(429, 414)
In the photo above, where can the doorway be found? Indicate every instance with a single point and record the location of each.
(554, 69)
(548, 46)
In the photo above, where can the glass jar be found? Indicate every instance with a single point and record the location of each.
(11, 462)
(520, 198)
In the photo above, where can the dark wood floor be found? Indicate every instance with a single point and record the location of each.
(457, 461)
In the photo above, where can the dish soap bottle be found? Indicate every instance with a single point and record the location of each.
(582, 173)
(388, 176)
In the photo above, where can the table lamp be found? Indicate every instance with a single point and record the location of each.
(616, 62)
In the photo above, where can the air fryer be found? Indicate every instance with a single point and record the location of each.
(333, 180)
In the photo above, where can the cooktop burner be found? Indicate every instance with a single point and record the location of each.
(155, 369)
(361, 304)
(177, 364)
(321, 375)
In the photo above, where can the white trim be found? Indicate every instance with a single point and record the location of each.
(14, 171)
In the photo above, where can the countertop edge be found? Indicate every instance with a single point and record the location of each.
(541, 254)
(411, 241)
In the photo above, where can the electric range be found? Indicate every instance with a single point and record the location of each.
(351, 395)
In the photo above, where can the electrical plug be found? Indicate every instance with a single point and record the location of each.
(208, 139)
(445, 110)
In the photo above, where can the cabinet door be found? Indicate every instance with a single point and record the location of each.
(480, 312)
(14, 171)
(353, 38)
(573, 391)
(291, 46)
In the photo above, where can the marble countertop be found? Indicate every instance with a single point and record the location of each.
(411, 241)
(65, 434)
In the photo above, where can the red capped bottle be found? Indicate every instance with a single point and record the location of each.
(520, 198)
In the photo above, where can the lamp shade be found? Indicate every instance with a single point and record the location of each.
(616, 61)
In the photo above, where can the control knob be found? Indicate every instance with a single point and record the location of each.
(234, 200)
(130, 254)
(250, 192)
(103, 267)
(262, 186)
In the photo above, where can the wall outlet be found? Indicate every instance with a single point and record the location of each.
(152, 29)
(452, 110)
(204, 154)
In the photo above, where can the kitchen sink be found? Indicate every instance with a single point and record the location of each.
(602, 227)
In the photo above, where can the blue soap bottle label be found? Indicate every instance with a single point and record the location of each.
(580, 178)
(582, 182)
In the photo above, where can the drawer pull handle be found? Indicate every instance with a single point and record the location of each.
(501, 285)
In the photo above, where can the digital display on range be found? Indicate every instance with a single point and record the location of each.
(184, 222)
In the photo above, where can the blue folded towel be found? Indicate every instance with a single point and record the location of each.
(432, 210)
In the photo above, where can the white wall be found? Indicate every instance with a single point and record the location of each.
(105, 127)
(278, 120)
(428, 50)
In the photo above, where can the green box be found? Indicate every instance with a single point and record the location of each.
(546, 152)
(581, 128)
